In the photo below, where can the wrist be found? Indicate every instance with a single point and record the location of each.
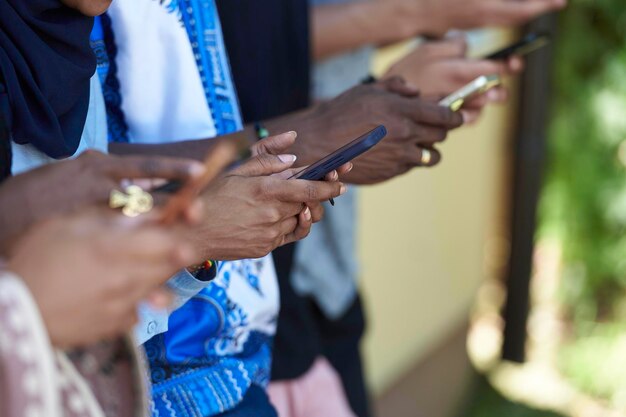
(428, 15)
(307, 125)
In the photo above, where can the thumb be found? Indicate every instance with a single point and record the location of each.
(274, 145)
(265, 164)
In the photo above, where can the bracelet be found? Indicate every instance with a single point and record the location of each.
(261, 131)
(206, 271)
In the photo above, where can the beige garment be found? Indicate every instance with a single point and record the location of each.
(37, 380)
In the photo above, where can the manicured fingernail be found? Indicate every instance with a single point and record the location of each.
(343, 189)
(307, 214)
(287, 159)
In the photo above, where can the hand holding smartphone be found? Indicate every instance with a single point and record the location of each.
(343, 155)
(480, 85)
(530, 43)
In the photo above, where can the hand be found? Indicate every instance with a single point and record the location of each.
(412, 125)
(439, 68)
(65, 186)
(88, 272)
(251, 211)
(443, 15)
(276, 145)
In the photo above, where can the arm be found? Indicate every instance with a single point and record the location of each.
(191, 149)
(341, 27)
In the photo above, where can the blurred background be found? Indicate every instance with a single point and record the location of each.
(496, 284)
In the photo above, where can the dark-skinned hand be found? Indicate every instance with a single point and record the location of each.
(66, 186)
(412, 124)
(254, 208)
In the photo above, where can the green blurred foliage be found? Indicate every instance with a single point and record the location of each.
(584, 199)
(487, 402)
(595, 362)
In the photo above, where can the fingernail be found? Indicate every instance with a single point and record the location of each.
(334, 176)
(343, 189)
(493, 95)
(307, 213)
(287, 159)
(196, 169)
(350, 167)
(293, 133)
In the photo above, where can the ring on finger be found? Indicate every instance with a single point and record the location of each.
(134, 202)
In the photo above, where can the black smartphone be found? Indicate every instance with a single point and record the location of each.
(343, 155)
(530, 43)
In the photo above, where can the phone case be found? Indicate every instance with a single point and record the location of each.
(345, 154)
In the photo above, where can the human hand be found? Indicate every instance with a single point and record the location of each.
(87, 272)
(413, 124)
(276, 145)
(439, 68)
(65, 186)
(254, 209)
(443, 15)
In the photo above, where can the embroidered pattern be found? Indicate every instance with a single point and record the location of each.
(212, 353)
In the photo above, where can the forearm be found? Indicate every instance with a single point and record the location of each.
(309, 125)
(338, 28)
(192, 149)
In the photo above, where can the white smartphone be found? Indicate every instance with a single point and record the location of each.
(477, 87)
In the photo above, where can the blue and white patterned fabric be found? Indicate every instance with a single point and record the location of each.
(175, 84)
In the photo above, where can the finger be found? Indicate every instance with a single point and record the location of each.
(497, 95)
(429, 135)
(422, 157)
(289, 173)
(274, 145)
(193, 214)
(152, 167)
(287, 210)
(400, 86)
(317, 210)
(516, 12)
(304, 191)
(345, 168)
(150, 244)
(302, 229)
(470, 116)
(453, 46)
(515, 65)
(468, 70)
(426, 112)
(332, 176)
(264, 164)
(288, 225)
(477, 103)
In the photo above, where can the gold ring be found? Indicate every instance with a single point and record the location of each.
(426, 157)
(134, 202)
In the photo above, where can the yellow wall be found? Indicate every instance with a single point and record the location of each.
(425, 242)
